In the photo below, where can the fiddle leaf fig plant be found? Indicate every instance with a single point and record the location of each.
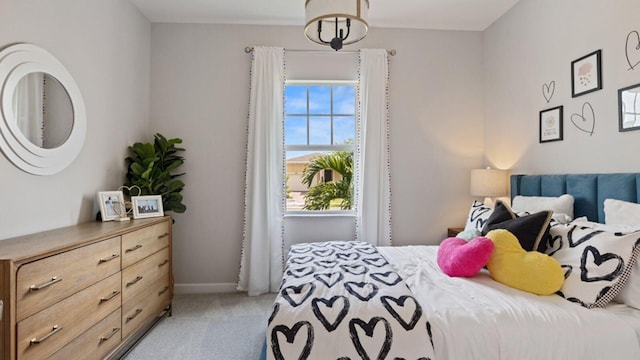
(152, 167)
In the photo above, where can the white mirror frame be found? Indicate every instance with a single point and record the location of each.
(16, 61)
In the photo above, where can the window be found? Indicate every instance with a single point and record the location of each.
(319, 133)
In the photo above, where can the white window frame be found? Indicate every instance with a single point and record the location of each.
(339, 147)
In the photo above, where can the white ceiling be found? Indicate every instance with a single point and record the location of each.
(475, 15)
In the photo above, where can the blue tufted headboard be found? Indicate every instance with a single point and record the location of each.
(588, 190)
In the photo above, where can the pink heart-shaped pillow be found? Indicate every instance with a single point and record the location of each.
(460, 258)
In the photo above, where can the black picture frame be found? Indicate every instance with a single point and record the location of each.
(586, 77)
(629, 96)
(551, 124)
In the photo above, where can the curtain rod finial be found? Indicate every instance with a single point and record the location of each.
(248, 49)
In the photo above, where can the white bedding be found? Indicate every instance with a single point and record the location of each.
(479, 318)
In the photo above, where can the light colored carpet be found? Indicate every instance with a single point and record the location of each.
(211, 326)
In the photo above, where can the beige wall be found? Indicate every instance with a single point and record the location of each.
(535, 43)
(105, 46)
(199, 91)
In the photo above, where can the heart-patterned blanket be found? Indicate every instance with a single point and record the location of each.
(342, 300)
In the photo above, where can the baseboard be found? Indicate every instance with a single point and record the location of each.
(182, 289)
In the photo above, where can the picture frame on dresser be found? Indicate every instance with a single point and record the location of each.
(112, 205)
(147, 206)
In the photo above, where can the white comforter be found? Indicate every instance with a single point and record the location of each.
(479, 318)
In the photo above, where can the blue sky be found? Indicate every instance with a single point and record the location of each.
(319, 105)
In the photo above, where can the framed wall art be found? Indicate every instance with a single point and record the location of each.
(551, 124)
(586, 74)
(147, 206)
(629, 108)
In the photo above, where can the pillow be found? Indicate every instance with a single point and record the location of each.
(530, 230)
(478, 215)
(469, 234)
(618, 212)
(597, 262)
(530, 271)
(630, 293)
(562, 206)
(460, 258)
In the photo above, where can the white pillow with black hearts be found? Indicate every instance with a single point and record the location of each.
(478, 215)
(597, 262)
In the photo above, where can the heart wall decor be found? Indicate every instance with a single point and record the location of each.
(632, 49)
(548, 90)
(585, 121)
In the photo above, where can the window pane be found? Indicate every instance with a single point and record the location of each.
(327, 190)
(320, 130)
(295, 130)
(320, 99)
(295, 99)
(343, 130)
(344, 100)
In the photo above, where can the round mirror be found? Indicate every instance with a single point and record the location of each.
(43, 110)
(43, 123)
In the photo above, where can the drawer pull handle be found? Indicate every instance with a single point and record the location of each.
(138, 278)
(163, 235)
(163, 290)
(131, 317)
(55, 329)
(113, 332)
(111, 296)
(133, 248)
(165, 262)
(104, 260)
(53, 280)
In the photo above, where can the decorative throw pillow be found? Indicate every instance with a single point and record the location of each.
(530, 230)
(460, 258)
(597, 263)
(618, 212)
(529, 271)
(562, 206)
(469, 234)
(478, 215)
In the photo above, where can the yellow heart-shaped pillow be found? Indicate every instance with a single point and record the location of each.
(530, 271)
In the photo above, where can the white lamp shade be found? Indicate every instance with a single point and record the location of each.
(488, 182)
(328, 11)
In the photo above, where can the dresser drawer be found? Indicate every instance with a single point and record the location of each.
(96, 343)
(46, 332)
(137, 277)
(139, 244)
(44, 282)
(145, 305)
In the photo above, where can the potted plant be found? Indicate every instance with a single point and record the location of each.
(152, 167)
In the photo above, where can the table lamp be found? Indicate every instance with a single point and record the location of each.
(488, 183)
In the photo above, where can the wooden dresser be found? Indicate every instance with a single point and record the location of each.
(88, 291)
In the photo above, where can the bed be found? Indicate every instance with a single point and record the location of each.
(350, 300)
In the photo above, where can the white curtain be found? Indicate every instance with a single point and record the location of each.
(28, 103)
(373, 179)
(262, 245)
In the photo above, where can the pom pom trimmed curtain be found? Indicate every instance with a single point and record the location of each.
(262, 256)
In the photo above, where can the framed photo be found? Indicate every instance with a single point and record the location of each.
(586, 74)
(111, 205)
(147, 206)
(629, 108)
(551, 124)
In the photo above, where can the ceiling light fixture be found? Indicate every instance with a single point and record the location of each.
(336, 22)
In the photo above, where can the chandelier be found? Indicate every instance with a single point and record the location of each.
(336, 22)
